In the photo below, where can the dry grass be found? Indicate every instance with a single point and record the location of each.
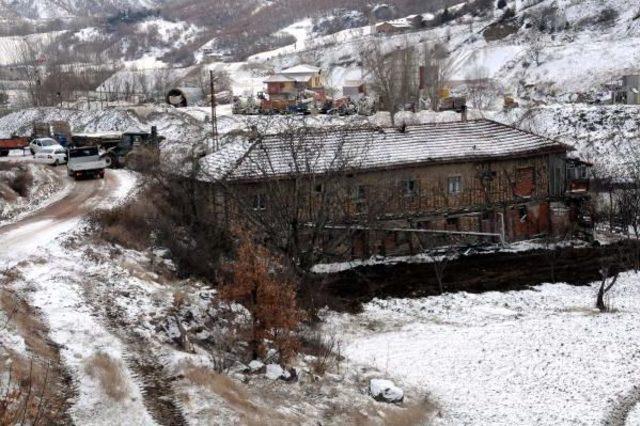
(108, 372)
(128, 225)
(28, 323)
(39, 386)
(373, 414)
(223, 386)
(235, 394)
(410, 415)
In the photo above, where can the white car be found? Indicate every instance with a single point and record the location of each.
(52, 155)
(39, 144)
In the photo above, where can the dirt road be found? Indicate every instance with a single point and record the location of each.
(23, 237)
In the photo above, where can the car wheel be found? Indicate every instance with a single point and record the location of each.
(32, 151)
(56, 163)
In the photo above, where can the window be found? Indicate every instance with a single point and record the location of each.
(359, 193)
(455, 184)
(259, 202)
(409, 188)
(318, 189)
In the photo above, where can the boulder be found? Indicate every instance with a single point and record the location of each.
(385, 391)
(275, 372)
(256, 365)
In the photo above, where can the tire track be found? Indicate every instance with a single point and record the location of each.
(159, 397)
(619, 414)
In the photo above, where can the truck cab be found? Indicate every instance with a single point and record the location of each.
(85, 162)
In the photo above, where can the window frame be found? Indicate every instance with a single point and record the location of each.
(406, 191)
(259, 203)
(457, 179)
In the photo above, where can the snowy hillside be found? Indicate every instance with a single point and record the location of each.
(550, 48)
(52, 9)
(607, 135)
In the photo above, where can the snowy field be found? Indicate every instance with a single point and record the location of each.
(537, 357)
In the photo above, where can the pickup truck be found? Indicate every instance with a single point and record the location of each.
(7, 145)
(85, 162)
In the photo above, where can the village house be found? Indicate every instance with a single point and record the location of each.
(475, 180)
(392, 27)
(281, 88)
(295, 82)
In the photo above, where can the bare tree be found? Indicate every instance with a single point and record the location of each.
(436, 71)
(30, 59)
(221, 78)
(606, 284)
(305, 202)
(481, 90)
(393, 75)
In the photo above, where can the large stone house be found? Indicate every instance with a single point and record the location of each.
(390, 187)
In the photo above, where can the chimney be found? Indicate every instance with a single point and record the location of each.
(463, 114)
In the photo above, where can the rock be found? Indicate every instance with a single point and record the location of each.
(256, 365)
(292, 376)
(274, 371)
(385, 391)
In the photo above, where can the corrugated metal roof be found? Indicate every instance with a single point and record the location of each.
(319, 151)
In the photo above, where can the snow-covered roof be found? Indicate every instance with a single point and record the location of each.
(301, 69)
(278, 78)
(374, 148)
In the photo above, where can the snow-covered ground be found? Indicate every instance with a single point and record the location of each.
(36, 246)
(536, 357)
(47, 187)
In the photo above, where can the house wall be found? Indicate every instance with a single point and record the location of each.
(281, 88)
(514, 191)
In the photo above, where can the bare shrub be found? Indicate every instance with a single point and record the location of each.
(22, 182)
(258, 282)
(32, 391)
(128, 225)
(25, 399)
(108, 372)
(325, 349)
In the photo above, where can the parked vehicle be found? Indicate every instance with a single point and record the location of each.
(7, 145)
(85, 162)
(39, 144)
(117, 146)
(58, 130)
(53, 156)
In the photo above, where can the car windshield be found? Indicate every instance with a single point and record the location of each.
(83, 152)
(48, 142)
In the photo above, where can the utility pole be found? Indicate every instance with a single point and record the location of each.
(214, 117)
